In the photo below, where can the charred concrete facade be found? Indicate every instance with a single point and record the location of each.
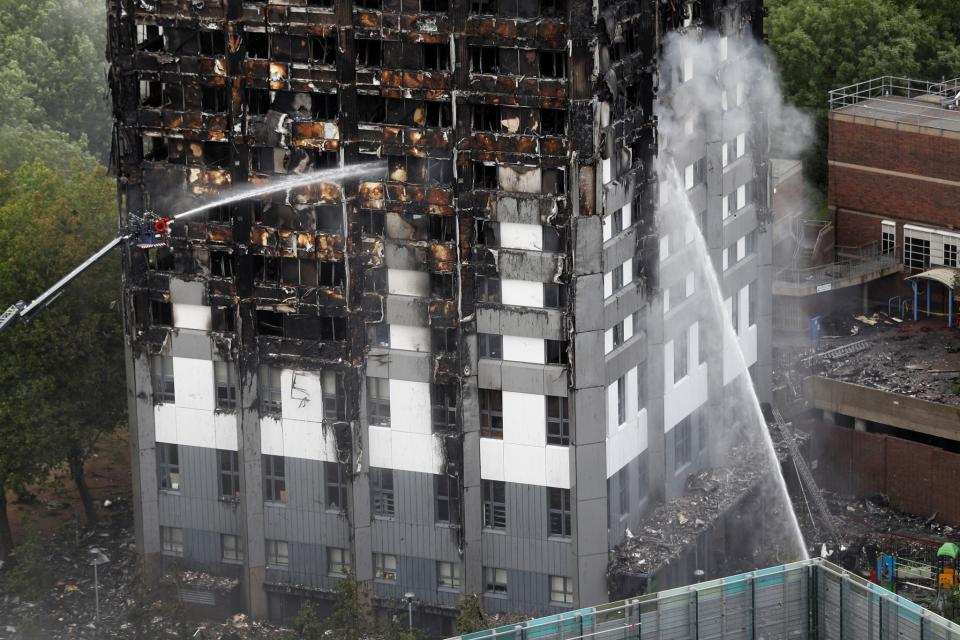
(459, 375)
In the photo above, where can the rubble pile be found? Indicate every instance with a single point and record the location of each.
(66, 609)
(919, 360)
(670, 528)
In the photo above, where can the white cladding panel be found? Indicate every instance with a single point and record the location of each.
(410, 407)
(520, 349)
(409, 338)
(626, 442)
(193, 382)
(192, 316)
(301, 396)
(405, 282)
(524, 293)
(524, 419)
(514, 235)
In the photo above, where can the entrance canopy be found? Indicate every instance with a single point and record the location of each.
(945, 276)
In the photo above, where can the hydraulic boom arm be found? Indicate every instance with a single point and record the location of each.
(23, 311)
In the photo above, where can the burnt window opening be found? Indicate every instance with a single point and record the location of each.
(334, 396)
(435, 5)
(332, 274)
(559, 512)
(323, 159)
(488, 288)
(553, 122)
(173, 96)
(448, 500)
(554, 239)
(164, 384)
(444, 406)
(483, 7)
(617, 334)
(553, 8)
(490, 345)
(333, 328)
(221, 264)
(161, 313)
(270, 390)
(486, 117)
(258, 45)
(372, 222)
(485, 176)
(554, 295)
(269, 323)
(487, 233)
(443, 228)
(151, 93)
(224, 319)
(554, 182)
(160, 259)
(225, 381)
(212, 42)
(329, 219)
(336, 476)
(441, 285)
(258, 101)
(436, 57)
(222, 213)
(149, 37)
(216, 154)
(298, 272)
(444, 340)
(494, 504)
(553, 64)
(371, 109)
(373, 5)
(262, 159)
(378, 334)
(323, 50)
(154, 148)
(438, 171)
(326, 4)
(484, 59)
(324, 106)
(438, 114)
(375, 280)
(369, 52)
(556, 352)
(558, 421)
(266, 269)
(491, 413)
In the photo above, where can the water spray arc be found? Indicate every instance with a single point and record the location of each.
(151, 229)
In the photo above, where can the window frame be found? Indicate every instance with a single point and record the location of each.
(274, 479)
(559, 512)
(453, 577)
(494, 496)
(558, 423)
(382, 493)
(276, 553)
(335, 485)
(171, 541)
(491, 413)
(447, 498)
(225, 383)
(492, 583)
(164, 380)
(235, 555)
(338, 568)
(168, 465)
(565, 591)
(382, 570)
(228, 474)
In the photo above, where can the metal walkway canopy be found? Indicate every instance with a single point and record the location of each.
(946, 276)
(809, 599)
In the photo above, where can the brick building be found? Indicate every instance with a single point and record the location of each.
(459, 375)
(894, 171)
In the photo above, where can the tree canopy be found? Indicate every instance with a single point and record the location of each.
(827, 44)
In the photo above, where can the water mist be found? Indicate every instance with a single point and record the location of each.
(705, 99)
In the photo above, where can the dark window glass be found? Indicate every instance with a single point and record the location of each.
(491, 413)
(448, 499)
(369, 52)
(554, 295)
(444, 399)
(323, 50)
(378, 401)
(258, 45)
(490, 345)
(494, 504)
(381, 487)
(556, 351)
(553, 122)
(484, 59)
(164, 387)
(553, 64)
(335, 475)
(485, 176)
(681, 443)
(558, 421)
(436, 57)
(229, 463)
(274, 479)
(488, 288)
(486, 117)
(168, 466)
(680, 355)
(559, 515)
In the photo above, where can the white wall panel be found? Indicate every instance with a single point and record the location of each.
(524, 419)
(410, 407)
(405, 282)
(520, 349)
(301, 396)
(731, 361)
(195, 428)
(626, 443)
(416, 452)
(225, 431)
(409, 338)
(491, 459)
(165, 423)
(308, 440)
(271, 436)
(192, 316)
(684, 397)
(193, 381)
(524, 464)
(381, 447)
(557, 471)
(525, 293)
(514, 235)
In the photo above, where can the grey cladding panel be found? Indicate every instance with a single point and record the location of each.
(197, 504)
(304, 517)
(413, 530)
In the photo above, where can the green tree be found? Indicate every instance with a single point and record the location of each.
(62, 374)
(471, 617)
(308, 624)
(826, 44)
(53, 73)
(352, 617)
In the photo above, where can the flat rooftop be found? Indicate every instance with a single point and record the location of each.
(901, 101)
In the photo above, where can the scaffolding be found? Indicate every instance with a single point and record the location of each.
(806, 599)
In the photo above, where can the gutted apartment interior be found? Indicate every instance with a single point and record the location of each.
(463, 373)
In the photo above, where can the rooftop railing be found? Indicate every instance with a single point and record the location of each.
(882, 91)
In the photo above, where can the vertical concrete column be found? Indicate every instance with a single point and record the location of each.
(143, 457)
(360, 513)
(251, 492)
(587, 403)
(472, 521)
(710, 323)
(656, 435)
